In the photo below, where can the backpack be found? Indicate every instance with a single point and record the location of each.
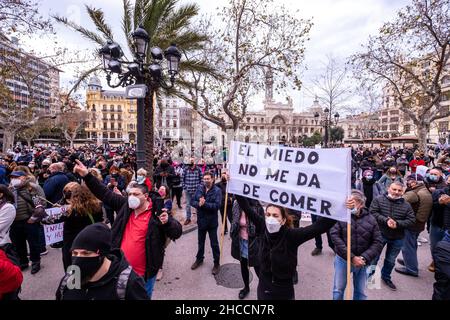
(121, 285)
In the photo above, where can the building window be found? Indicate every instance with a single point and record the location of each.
(174, 123)
(443, 126)
(111, 108)
(112, 135)
(93, 125)
(105, 126)
(104, 107)
(119, 108)
(167, 123)
(394, 119)
(407, 129)
(112, 116)
(119, 126)
(393, 127)
(384, 128)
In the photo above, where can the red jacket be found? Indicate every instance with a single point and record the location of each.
(148, 183)
(413, 164)
(10, 275)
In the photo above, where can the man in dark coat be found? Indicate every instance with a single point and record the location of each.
(54, 185)
(139, 230)
(104, 274)
(164, 174)
(441, 256)
(366, 245)
(393, 215)
(207, 201)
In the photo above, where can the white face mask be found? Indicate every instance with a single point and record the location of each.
(133, 202)
(140, 179)
(272, 225)
(16, 182)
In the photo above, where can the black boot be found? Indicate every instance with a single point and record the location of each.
(35, 267)
(243, 293)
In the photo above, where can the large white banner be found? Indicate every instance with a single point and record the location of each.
(314, 181)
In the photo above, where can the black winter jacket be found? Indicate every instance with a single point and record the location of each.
(106, 287)
(156, 235)
(383, 207)
(441, 257)
(440, 216)
(366, 237)
(235, 237)
(278, 251)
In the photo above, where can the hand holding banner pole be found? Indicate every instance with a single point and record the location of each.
(222, 234)
(349, 259)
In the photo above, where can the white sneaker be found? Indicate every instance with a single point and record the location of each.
(422, 239)
(419, 243)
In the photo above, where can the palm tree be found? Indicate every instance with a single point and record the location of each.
(166, 22)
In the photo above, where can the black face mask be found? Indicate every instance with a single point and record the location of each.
(88, 266)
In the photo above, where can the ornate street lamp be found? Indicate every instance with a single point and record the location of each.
(140, 78)
(326, 123)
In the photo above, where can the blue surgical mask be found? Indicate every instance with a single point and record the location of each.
(433, 178)
(354, 211)
(369, 177)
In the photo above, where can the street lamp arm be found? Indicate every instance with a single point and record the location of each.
(124, 80)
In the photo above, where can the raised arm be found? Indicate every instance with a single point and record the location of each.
(99, 190)
(253, 216)
(301, 235)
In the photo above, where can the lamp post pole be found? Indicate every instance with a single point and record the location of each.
(141, 80)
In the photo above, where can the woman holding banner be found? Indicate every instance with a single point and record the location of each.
(277, 248)
(244, 246)
(83, 210)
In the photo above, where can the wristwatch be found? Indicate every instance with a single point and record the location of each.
(363, 259)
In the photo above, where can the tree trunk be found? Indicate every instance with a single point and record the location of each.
(8, 139)
(149, 132)
(422, 135)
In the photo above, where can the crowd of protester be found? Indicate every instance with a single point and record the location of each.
(118, 220)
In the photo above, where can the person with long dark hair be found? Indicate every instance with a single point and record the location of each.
(244, 246)
(83, 209)
(278, 243)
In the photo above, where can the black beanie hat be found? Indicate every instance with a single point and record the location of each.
(95, 237)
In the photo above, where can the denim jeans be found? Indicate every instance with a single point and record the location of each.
(393, 248)
(409, 251)
(436, 235)
(188, 204)
(149, 285)
(340, 280)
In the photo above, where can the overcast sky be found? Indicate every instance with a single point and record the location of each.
(340, 27)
